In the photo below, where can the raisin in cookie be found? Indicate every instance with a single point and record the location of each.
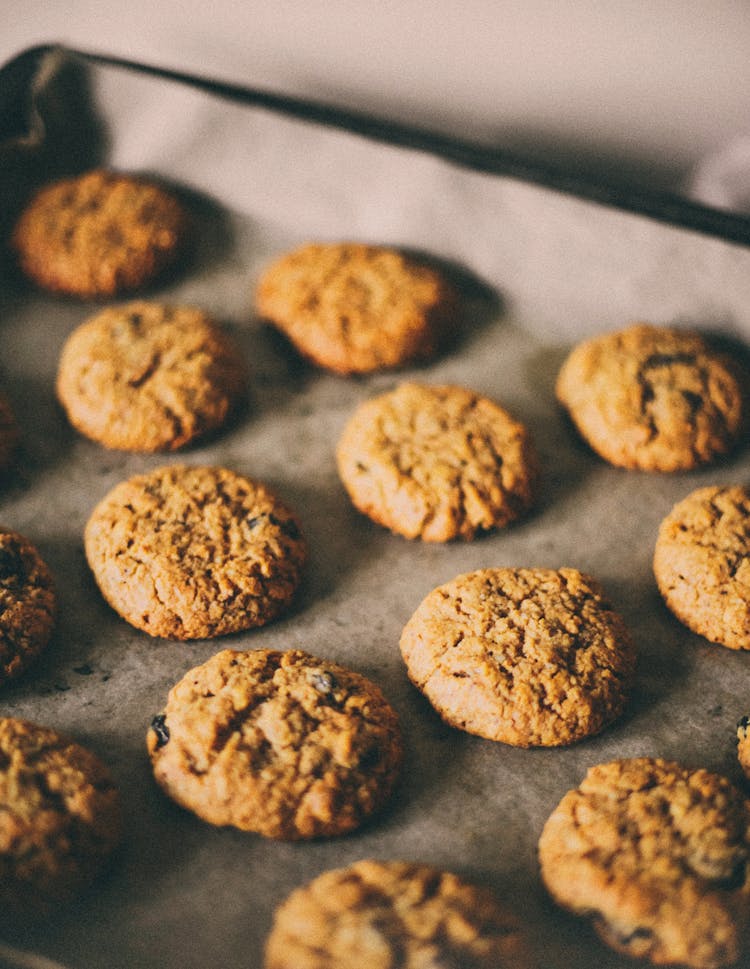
(437, 462)
(354, 308)
(529, 657)
(194, 552)
(702, 563)
(394, 915)
(148, 377)
(99, 234)
(281, 744)
(656, 855)
(28, 604)
(652, 398)
(60, 817)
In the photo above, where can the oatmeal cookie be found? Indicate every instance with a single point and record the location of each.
(702, 563)
(60, 817)
(437, 462)
(394, 915)
(194, 552)
(28, 604)
(99, 234)
(529, 657)
(354, 308)
(653, 398)
(149, 377)
(656, 855)
(281, 744)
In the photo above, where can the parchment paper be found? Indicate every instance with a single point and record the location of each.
(538, 271)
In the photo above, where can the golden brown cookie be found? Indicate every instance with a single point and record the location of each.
(281, 744)
(702, 563)
(394, 915)
(59, 817)
(437, 462)
(28, 604)
(354, 308)
(194, 552)
(530, 657)
(99, 234)
(8, 433)
(652, 398)
(656, 855)
(149, 377)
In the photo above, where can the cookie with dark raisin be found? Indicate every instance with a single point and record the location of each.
(655, 854)
(195, 552)
(28, 604)
(653, 398)
(285, 745)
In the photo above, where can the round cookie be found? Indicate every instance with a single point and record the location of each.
(388, 914)
(99, 234)
(60, 817)
(529, 657)
(652, 398)
(149, 377)
(281, 744)
(437, 462)
(8, 433)
(702, 563)
(194, 552)
(28, 604)
(656, 855)
(354, 308)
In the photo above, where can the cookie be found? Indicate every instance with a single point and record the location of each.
(149, 377)
(652, 398)
(394, 915)
(437, 462)
(28, 604)
(529, 657)
(702, 563)
(99, 234)
(9, 435)
(281, 744)
(354, 308)
(194, 552)
(60, 817)
(656, 855)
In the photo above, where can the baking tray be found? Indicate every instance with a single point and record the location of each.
(542, 259)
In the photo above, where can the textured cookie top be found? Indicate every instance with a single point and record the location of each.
(148, 377)
(28, 604)
(8, 433)
(388, 914)
(530, 657)
(652, 398)
(656, 854)
(193, 552)
(437, 462)
(702, 563)
(99, 234)
(354, 308)
(282, 744)
(60, 816)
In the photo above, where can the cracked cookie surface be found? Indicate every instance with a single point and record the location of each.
(437, 462)
(656, 855)
(99, 234)
(28, 604)
(355, 308)
(529, 657)
(702, 563)
(194, 552)
(60, 817)
(149, 377)
(281, 744)
(394, 915)
(652, 398)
